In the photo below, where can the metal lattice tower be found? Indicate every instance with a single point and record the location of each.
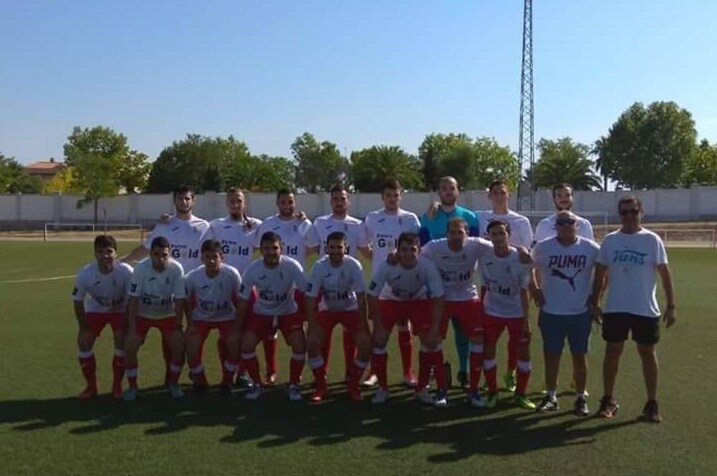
(526, 139)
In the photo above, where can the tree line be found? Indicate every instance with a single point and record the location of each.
(653, 146)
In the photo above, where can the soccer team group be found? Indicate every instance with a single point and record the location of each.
(199, 276)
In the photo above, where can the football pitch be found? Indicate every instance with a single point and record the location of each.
(44, 429)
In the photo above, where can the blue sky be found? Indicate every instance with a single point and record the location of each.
(358, 73)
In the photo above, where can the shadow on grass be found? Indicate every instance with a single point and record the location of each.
(273, 422)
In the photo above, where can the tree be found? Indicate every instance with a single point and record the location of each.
(563, 160)
(495, 162)
(318, 164)
(475, 163)
(96, 155)
(701, 166)
(648, 147)
(372, 166)
(14, 178)
(260, 173)
(134, 172)
(64, 181)
(197, 161)
(445, 154)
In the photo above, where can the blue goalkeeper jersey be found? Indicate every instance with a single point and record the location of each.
(432, 229)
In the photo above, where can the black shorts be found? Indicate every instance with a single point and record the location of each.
(617, 325)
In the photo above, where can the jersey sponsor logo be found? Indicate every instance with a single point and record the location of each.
(292, 250)
(184, 252)
(567, 261)
(331, 295)
(497, 289)
(209, 305)
(233, 248)
(455, 276)
(570, 279)
(385, 240)
(628, 257)
(271, 296)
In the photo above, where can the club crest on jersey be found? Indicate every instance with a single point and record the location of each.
(400, 221)
(296, 228)
(281, 275)
(346, 227)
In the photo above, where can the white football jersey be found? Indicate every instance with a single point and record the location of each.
(293, 233)
(631, 260)
(521, 231)
(565, 274)
(274, 286)
(383, 230)
(213, 299)
(546, 228)
(353, 228)
(457, 268)
(157, 291)
(237, 239)
(103, 293)
(503, 279)
(337, 285)
(402, 284)
(185, 239)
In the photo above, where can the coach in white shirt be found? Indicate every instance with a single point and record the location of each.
(630, 258)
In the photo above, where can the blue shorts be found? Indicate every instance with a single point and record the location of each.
(555, 328)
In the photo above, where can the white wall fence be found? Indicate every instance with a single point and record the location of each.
(30, 211)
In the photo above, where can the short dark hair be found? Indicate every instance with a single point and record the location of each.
(558, 186)
(159, 242)
(456, 220)
(284, 191)
(181, 190)
(336, 236)
(391, 184)
(337, 187)
(498, 182)
(269, 237)
(495, 223)
(211, 246)
(233, 190)
(408, 237)
(105, 241)
(630, 199)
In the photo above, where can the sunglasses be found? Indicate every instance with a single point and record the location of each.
(564, 221)
(632, 211)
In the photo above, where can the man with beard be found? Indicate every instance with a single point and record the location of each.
(434, 224)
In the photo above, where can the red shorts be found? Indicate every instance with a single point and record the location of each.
(96, 321)
(264, 326)
(350, 320)
(468, 313)
(419, 312)
(204, 327)
(165, 326)
(494, 328)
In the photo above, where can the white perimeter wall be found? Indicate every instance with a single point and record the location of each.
(699, 203)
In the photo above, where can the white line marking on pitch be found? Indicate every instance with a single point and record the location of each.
(36, 280)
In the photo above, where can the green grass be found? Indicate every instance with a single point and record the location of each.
(45, 430)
